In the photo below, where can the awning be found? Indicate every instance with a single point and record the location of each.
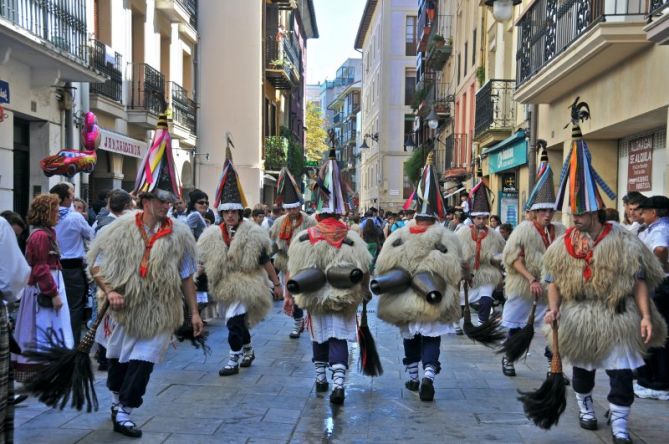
(509, 153)
(511, 140)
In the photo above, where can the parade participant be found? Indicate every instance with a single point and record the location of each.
(282, 232)
(599, 276)
(480, 246)
(424, 248)
(522, 260)
(143, 264)
(331, 308)
(235, 256)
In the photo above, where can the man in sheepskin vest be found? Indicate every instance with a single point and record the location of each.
(481, 247)
(235, 256)
(523, 258)
(283, 231)
(144, 286)
(423, 247)
(333, 306)
(599, 276)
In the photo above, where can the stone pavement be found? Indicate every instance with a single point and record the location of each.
(274, 400)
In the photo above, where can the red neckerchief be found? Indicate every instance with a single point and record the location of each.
(417, 229)
(579, 246)
(226, 235)
(478, 238)
(547, 237)
(288, 227)
(330, 230)
(165, 229)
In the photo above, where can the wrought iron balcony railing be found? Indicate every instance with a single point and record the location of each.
(61, 23)
(549, 27)
(191, 7)
(108, 62)
(494, 106)
(148, 89)
(283, 53)
(183, 108)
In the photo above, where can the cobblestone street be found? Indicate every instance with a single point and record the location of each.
(274, 400)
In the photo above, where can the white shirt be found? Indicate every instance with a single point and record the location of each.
(656, 235)
(14, 270)
(71, 231)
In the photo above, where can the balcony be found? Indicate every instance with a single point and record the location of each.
(657, 30)
(562, 45)
(183, 114)
(147, 95)
(424, 26)
(440, 46)
(50, 37)
(458, 148)
(107, 96)
(337, 119)
(285, 4)
(284, 61)
(495, 111)
(443, 100)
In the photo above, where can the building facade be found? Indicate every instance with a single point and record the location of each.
(387, 38)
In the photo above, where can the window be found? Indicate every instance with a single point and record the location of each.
(474, 48)
(458, 69)
(464, 65)
(409, 87)
(410, 38)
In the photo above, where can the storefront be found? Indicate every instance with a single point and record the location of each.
(642, 161)
(505, 161)
(118, 158)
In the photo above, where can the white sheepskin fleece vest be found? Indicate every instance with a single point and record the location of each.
(234, 273)
(525, 241)
(599, 313)
(303, 254)
(437, 250)
(153, 304)
(493, 244)
(281, 257)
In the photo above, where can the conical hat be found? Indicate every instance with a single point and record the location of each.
(157, 174)
(288, 193)
(582, 194)
(330, 188)
(428, 198)
(229, 194)
(480, 202)
(543, 194)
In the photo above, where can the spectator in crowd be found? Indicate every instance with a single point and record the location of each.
(271, 217)
(653, 381)
(398, 223)
(387, 229)
(633, 220)
(258, 215)
(120, 201)
(450, 222)
(81, 207)
(464, 204)
(179, 210)
(505, 230)
(374, 239)
(612, 215)
(459, 219)
(247, 213)
(71, 232)
(495, 222)
(18, 225)
(198, 206)
(100, 204)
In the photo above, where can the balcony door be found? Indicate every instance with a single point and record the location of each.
(21, 166)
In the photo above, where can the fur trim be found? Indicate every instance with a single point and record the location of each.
(281, 257)
(543, 206)
(525, 239)
(304, 254)
(493, 244)
(230, 206)
(616, 260)
(417, 253)
(589, 330)
(153, 305)
(291, 205)
(234, 273)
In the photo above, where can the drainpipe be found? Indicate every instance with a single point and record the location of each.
(196, 99)
(532, 146)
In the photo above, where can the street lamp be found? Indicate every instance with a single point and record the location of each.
(409, 144)
(502, 10)
(432, 119)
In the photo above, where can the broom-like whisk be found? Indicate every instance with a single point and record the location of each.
(517, 345)
(488, 333)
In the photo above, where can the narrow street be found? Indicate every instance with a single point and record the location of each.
(274, 400)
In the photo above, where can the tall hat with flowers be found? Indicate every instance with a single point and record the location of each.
(330, 189)
(578, 180)
(229, 193)
(479, 195)
(157, 175)
(542, 196)
(288, 193)
(428, 201)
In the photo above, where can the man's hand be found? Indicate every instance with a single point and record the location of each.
(536, 289)
(646, 330)
(198, 325)
(278, 292)
(288, 304)
(116, 300)
(552, 316)
(57, 303)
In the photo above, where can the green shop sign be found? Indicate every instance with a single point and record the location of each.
(508, 154)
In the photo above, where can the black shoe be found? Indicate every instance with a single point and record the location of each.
(507, 367)
(322, 386)
(114, 412)
(426, 391)
(295, 334)
(337, 396)
(128, 428)
(412, 384)
(228, 371)
(587, 423)
(626, 439)
(247, 360)
(18, 399)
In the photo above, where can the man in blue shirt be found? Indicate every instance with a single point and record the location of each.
(653, 381)
(71, 231)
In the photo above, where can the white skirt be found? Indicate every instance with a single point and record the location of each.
(517, 310)
(338, 326)
(620, 358)
(125, 348)
(432, 329)
(476, 293)
(230, 311)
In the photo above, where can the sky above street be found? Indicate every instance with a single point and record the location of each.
(337, 25)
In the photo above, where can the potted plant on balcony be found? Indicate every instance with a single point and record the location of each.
(419, 96)
(441, 108)
(438, 40)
